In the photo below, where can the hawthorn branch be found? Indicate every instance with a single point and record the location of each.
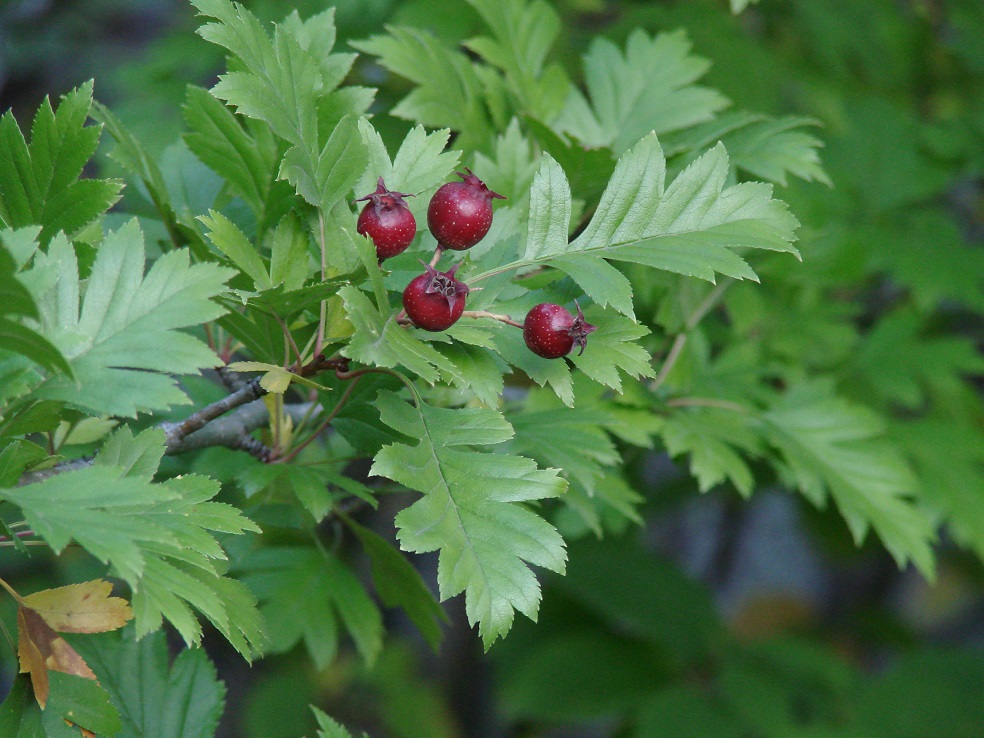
(174, 433)
(228, 422)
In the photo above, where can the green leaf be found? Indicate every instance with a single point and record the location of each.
(763, 146)
(522, 35)
(420, 164)
(130, 153)
(282, 81)
(948, 455)
(400, 585)
(84, 702)
(689, 227)
(98, 508)
(22, 340)
(571, 439)
(900, 362)
(20, 715)
(827, 444)
(613, 348)
(648, 88)
(715, 440)
(220, 142)
(180, 700)
(125, 320)
(380, 341)
(469, 510)
(233, 243)
(328, 728)
(303, 593)
(326, 179)
(550, 211)
(39, 182)
(289, 260)
(157, 537)
(448, 91)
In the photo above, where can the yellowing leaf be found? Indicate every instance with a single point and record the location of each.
(277, 379)
(80, 608)
(41, 649)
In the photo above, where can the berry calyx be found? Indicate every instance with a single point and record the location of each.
(551, 332)
(460, 213)
(435, 300)
(387, 220)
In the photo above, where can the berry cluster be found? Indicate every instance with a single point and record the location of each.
(459, 215)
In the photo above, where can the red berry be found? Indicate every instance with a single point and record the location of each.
(551, 332)
(435, 300)
(460, 213)
(387, 220)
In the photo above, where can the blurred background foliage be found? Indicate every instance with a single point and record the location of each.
(718, 617)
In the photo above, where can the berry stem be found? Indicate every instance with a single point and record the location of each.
(495, 316)
(437, 256)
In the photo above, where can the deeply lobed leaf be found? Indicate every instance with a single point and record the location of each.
(471, 511)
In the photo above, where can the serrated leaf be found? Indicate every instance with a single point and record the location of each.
(289, 260)
(233, 243)
(714, 439)
(649, 87)
(158, 537)
(550, 211)
(763, 146)
(180, 700)
(329, 728)
(829, 445)
(39, 181)
(522, 35)
(16, 300)
(114, 339)
(95, 507)
(380, 341)
(303, 593)
(613, 348)
(468, 511)
(138, 457)
(325, 179)
(283, 79)
(571, 439)
(476, 371)
(448, 91)
(220, 142)
(421, 163)
(689, 227)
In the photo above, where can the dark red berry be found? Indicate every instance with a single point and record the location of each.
(387, 220)
(551, 332)
(460, 213)
(435, 300)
